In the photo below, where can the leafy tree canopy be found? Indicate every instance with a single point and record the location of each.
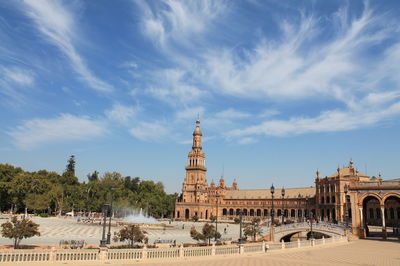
(19, 229)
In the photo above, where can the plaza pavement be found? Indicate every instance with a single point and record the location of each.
(359, 252)
(54, 229)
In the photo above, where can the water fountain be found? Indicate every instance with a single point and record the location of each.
(138, 217)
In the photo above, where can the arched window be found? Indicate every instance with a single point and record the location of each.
(265, 212)
(378, 213)
(224, 212)
(371, 213)
(292, 213)
(245, 212)
(178, 214)
(300, 213)
(322, 200)
(327, 199)
(231, 212)
(333, 199)
(258, 212)
(391, 210)
(333, 188)
(251, 212)
(279, 212)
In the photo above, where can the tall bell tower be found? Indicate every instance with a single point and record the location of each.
(195, 186)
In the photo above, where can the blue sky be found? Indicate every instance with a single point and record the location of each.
(282, 87)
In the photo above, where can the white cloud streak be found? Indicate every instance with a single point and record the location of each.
(147, 131)
(328, 59)
(121, 113)
(66, 127)
(173, 87)
(56, 23)
(178, 21)
(367, 113)
(13, 82)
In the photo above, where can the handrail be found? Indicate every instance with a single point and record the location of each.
(103, 255)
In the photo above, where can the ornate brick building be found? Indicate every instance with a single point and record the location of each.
(364, 198)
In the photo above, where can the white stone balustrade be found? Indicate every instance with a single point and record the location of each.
(67, 255)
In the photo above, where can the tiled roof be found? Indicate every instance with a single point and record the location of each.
(266, 193)
(348, 171)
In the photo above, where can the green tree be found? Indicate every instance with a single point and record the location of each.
(93, 176)
(71, 165)
(253, 229)
(19, 229)
(131, 233)
(207, 232)
(7, 174)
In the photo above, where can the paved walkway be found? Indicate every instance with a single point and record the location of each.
(52, 230)
(360, 252)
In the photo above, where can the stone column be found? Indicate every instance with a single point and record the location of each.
(181, 251)
(52, 254)
(263, 246)
(383, 222)
(144, 252)
(103, 254)
(361, 218)
(283, 244)
(213, 249)
(241, 249)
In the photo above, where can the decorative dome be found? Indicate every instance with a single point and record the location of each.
(197, 130)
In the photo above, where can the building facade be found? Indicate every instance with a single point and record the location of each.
(347, 196)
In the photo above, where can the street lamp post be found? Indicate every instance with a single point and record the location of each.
(240, 226)
(299, 207)
(346, 190)
(216, 218)
(103, 241)
(307, 217)
(110, 214)
(272, 211)
(283, 206)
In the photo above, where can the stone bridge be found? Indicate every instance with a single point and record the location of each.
(286, 231)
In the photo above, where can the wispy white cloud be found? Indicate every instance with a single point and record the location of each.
(57, 24)
(66, 127)
(367, 113)
(178, 21)
(13, 82)
(231, 114)
(121, 113)
(308, 61)
(247, 140)
(268, 113)
(289, 69)
(150, 131)
(173, 87)
(17, 75)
